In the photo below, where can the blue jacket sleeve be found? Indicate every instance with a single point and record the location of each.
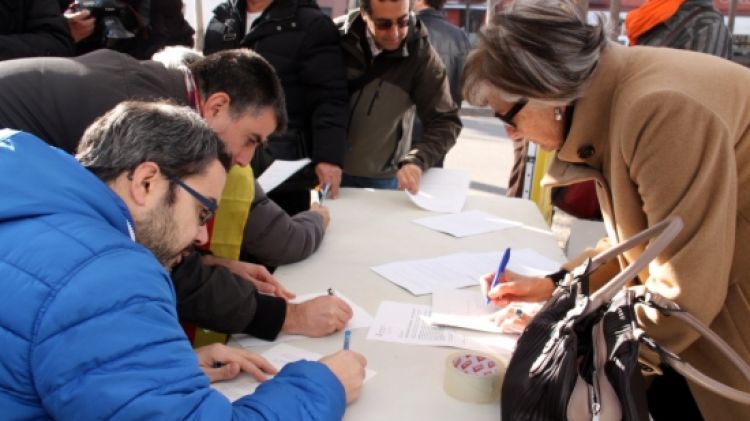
(108, 346)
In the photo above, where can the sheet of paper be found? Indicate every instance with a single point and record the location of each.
(423, 276)
(466, 223)
(405, 323)
(462, 308)
(360, 318)
(442, 190)
(280, 355)
(459, 270)
(279, 171)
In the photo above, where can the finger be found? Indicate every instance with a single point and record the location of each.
(256, 372)
(335, 184)
(485, 281)
(265, 288)
(286, 294)
(346, 308)
(225, 372)
(509, 288)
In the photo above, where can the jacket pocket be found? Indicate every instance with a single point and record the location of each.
(375, 96)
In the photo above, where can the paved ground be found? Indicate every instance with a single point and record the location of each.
(485, 150)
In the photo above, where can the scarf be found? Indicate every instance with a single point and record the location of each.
(648, 15)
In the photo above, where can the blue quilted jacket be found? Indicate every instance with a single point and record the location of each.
(88, 328)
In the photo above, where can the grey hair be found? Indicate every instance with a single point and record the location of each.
(175, 138)
(543, 50)
(175, 56)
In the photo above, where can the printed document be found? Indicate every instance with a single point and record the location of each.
(442, 190)
(279, 171)
(406, 323)
(424, 276)
(464, 308)
(278, 356)
(467, 223)
(360, 318)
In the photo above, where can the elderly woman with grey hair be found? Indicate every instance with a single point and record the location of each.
(662, 132)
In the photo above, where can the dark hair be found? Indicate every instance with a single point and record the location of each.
(366, 5)
(175, 138)
(435, 4)
(246, 77)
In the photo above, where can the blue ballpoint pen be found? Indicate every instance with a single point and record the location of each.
(498, 274)
(347, 339)
(324, 191)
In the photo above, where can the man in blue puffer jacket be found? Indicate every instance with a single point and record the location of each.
(87, 320)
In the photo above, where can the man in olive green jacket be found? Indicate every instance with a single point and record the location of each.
(392, 69)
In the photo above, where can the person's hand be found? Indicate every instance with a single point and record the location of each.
(318, 317)
(221, 362)
(80, 23)
(409, 177)
(323, 211)
(515, 317)
(257, 274)
(349, 368)
(515, 287)
(331, 174)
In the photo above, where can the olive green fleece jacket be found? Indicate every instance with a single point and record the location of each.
(383, 95)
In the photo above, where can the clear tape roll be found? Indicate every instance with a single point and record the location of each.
(474, 378)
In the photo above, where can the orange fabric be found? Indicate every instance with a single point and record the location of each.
(648, 15)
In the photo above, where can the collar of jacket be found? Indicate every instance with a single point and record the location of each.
(588, 140)
(355, 33)
(430, 13)
(281, 10)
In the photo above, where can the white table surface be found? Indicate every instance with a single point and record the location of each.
(371, 227)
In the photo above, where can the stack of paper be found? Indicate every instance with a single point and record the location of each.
(406, 323)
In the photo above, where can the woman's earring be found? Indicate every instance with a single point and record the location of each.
(558, 114)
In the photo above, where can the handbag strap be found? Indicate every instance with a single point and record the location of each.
(666, 230)
(667, 306)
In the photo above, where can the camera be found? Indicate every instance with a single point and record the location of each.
(109, 15)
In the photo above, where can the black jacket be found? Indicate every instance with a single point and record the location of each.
(451, 44)
(302, 44)
(33, 28)
(56, 99)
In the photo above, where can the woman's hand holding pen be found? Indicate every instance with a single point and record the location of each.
(221, 362)
(515, 287)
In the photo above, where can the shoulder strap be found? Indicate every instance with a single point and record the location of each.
(677, 31)
(668, 307)
(666, 230)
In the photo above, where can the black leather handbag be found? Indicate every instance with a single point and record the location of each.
(578, 358)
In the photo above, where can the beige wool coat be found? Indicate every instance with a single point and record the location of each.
(667, 132)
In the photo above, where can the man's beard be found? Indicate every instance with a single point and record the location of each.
(158, 233)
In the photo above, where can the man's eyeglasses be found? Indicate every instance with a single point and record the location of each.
(507, 118)
(209, 206)
(385, 24)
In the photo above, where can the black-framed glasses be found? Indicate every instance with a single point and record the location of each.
(386, 24)
(209, 205)
(507, 118)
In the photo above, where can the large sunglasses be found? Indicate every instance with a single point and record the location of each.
(386, 24)
(209, 206)
(507, 118)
